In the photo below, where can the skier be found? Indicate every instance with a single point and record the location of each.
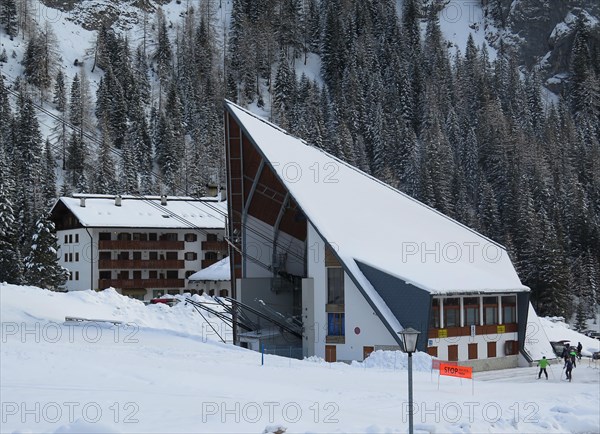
(579, 348)
(569, 366)
(543, 364)
(573, 355)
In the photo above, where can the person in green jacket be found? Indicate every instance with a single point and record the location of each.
(543, 364)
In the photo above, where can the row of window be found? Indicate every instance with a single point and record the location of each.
(153, 256)
(70, 240)
(476, 311)
(157, 293)
(73, 275)
(137, 274)
(152, 236)
(70, 257)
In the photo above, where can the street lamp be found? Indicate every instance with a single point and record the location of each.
(410, 337)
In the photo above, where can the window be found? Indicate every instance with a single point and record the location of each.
(104, 275)
(172, 274)
(66, 257)
(76, 238)
(172, 256)
(191, 238)
(451, 312)
(76, 256)
(70, 257)
(509, 309)
(171, 236)
(472, 351)
(211, 237)
(123, 256)
(70, 275)
(104, 256)
(471, 307)
(152, 236)
(223, 293)
(124, 275)
(490, 310)
(104, 236)
(335, 324)
(137, 274)
(435, 314)
(452, 352)
(137, 256)
(335, 285)
(70, 238)
(211, 292)
(153, 256)
(152, 274)
(191, 256)
(124, 236)
(157, 293)
(189, 273)
(139, 236)
(77, 275)
(210, 255)
(66, 239)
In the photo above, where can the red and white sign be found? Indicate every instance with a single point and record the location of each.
(456, 371)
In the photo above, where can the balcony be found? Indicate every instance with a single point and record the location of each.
(141, 283)
(140, 245)
(215, 246)
(208, 262)
(140, 264)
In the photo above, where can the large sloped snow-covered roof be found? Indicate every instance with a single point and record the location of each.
(368, 221)
(147, 212)
(217, 271)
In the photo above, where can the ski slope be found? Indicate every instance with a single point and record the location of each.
(164, 370)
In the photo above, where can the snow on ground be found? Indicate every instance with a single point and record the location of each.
(171, 376)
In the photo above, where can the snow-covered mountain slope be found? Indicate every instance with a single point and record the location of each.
(165, 373)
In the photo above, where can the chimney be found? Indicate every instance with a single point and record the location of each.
(163, 200)
(82, 202)
(118, 200)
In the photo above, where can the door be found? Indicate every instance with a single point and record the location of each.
(367, 351)
(330, 355)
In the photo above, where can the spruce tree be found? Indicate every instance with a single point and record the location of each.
(41, 265)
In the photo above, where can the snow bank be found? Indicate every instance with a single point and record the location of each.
(395, 360)
(30, 304)
(557, 330)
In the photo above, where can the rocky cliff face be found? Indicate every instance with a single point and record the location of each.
(542, 32)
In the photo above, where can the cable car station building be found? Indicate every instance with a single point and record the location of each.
(350, 261)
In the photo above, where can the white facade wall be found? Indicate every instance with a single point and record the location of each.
(464, 341)
(76, 253)
(357, 311)
(86, 250)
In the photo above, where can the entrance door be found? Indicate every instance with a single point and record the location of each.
(330, 355)
(491, 349)
(367, 351)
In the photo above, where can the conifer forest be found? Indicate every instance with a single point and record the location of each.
(474, 133)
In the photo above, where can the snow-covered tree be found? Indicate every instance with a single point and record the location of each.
(41, 265)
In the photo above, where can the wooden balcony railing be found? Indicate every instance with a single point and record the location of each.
(141, 283)
(140, 245)
(140, 264)
(214, 246)
(450, 332)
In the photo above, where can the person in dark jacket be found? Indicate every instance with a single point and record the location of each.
(543, 364)
(569, 369)
(579, 348)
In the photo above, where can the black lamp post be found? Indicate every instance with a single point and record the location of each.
(409, 339)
